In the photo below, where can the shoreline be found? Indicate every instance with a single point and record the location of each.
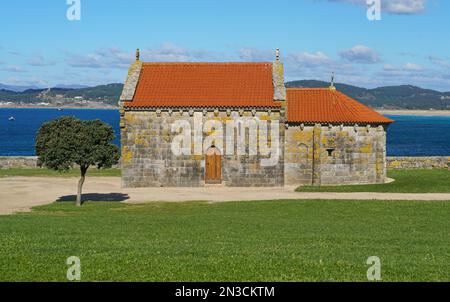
(64, 108)
(414, 112)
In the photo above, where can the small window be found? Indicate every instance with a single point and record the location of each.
(330, 152)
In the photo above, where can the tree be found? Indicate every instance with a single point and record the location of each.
(67, 141)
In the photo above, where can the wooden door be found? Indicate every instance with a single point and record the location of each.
(213, 166)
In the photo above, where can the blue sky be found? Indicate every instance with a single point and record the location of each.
(39, 46)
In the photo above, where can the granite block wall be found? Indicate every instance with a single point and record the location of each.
(149, 161)
(18, 162)
(322, 155)
(421, 162)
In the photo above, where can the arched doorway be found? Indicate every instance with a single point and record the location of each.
(213, 166)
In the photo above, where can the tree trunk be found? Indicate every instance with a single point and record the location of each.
(80, 186)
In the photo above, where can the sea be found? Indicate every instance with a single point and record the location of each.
(409, 136)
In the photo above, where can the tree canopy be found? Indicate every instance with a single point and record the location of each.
(65, 142)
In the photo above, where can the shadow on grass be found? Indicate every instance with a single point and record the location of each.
(108, 197)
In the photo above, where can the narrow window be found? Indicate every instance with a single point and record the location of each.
(330, 152)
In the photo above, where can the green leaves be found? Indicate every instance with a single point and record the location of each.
(64, 142)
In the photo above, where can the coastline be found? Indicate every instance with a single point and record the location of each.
(62, 107)
(381, 111)
(414, 112)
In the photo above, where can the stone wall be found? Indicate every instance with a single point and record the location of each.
(320, 155)
(426, 162)
(22, 162)
(149, 161)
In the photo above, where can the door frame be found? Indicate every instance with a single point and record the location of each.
(215, 160)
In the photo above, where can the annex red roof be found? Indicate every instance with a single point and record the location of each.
(325, 105)
(204, 85)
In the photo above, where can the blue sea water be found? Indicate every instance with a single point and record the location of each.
(408, 136)
(419, 136)
(17, 137)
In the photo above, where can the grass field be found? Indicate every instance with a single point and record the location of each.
(47, 172)
(238, 241)
(406, 181)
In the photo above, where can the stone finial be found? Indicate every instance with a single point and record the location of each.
(278, 79)
(332, 87)
(138, 54)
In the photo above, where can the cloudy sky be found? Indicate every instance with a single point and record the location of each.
(409, 45)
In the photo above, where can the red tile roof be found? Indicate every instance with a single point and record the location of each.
(324, 105)
(205, 85)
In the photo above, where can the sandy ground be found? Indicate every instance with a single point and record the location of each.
(415, 112)
(19, 194)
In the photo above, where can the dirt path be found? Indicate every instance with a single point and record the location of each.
(19, 194)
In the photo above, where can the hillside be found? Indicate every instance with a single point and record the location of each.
(104, 94)
(390, 97)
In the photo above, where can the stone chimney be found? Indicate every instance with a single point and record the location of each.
(278, 79)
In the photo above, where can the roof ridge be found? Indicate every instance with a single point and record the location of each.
(206, 63)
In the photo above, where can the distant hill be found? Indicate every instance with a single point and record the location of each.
(106, 94)
(71, 86)
(390, 97)
(16, 88)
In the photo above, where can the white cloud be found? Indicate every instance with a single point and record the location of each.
(15, 53)
(254, 54)
(117, 58)
(404, 6)
(394, 6)
(25, 81)
(310, 59)
(412, 74)
(405, 70)
(361, 54)
(352, 66)
(169, 52)
(439, 61)
(39, 61)
(101, 58)
(319, 66)
(389, 67)
(13, 68)
(413, 67)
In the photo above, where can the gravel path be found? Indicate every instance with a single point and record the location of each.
(19, 194)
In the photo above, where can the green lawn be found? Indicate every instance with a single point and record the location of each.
(406, 181)
(47, 172)
(237, 241)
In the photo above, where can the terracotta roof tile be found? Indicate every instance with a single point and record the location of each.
(324, 105)
(205, 85)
